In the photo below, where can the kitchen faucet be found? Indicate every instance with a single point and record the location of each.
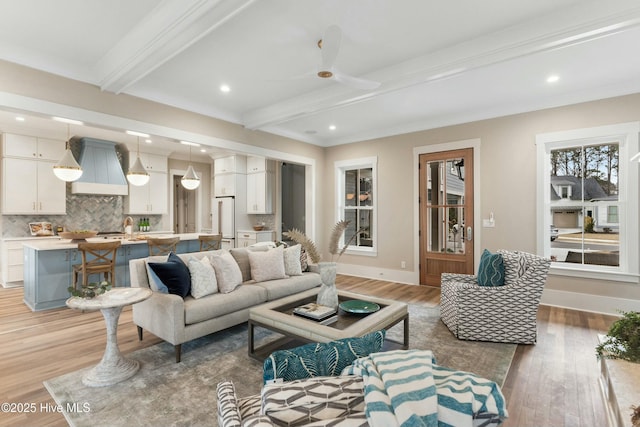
(128, 227)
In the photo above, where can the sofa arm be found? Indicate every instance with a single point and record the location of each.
(163, 316)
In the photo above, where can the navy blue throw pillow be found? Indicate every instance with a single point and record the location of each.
(174, 274)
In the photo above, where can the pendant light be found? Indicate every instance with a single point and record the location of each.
(67, 169)
(137, 174)
(190, 180)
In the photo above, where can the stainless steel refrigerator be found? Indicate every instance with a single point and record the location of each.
(223, 210)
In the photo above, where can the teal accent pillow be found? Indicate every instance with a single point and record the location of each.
(320, 359)
(491, 270)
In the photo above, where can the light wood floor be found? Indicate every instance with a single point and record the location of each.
(552, 383)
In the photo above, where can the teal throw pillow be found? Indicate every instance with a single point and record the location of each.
(491, 270)
(320, 359)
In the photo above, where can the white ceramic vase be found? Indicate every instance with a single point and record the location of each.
(328, 294)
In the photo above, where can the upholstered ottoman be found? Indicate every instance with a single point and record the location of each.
(318, 401)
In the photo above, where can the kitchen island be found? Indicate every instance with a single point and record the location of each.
(47, 266)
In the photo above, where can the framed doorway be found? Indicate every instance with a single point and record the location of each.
(446, 211)
(184, 207)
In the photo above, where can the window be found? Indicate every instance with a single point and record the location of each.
(356, 193)
(587, 199)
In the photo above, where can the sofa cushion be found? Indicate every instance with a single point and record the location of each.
(228, 273)
(292, 285)
(267, 265)
(292, 265)
(174, 274)
(219, 304)
(203, 277)
(320, 359)
(491, 269)
(241, 255)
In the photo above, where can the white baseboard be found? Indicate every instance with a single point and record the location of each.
(552, 297)
(588, 302)
(401, 276)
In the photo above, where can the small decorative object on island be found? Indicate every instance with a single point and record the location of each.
(91, 290)
(328, 294)
(623, 339)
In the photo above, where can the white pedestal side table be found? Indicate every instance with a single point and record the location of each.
(113, 367)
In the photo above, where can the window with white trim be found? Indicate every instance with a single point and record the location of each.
(588, 196)
(356, 202)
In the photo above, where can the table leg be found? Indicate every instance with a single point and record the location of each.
(250, 339)
(406, 332)
(113, 367)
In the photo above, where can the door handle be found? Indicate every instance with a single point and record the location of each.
(469, 233)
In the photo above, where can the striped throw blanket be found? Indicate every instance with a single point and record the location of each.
(406, 388)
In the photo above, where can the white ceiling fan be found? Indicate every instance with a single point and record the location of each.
(330, 46)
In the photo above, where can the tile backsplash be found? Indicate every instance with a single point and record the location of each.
(84, 212)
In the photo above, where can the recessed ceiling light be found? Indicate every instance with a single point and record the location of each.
(69, 121)
(553, 78)
(193, 144)
(136, 133)
(148, 141)
(332, 127)
(203, 150)
(20, 119)
(225, 88)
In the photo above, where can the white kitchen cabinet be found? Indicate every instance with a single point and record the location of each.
(151, 198)
(151, 162)
(260, 187)
(246, 238)
(29, 186)
(12, 262)
(31, 147)
(229, 164)
(225, 184)
(256, 164)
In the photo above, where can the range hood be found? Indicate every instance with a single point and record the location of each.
(101, 170)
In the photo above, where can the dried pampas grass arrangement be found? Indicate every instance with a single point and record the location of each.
(309, 246)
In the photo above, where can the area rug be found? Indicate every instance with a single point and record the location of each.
(183, 394)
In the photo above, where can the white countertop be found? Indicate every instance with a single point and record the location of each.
(55, 243)
(254, 231)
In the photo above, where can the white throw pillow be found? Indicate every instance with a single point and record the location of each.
(203, 277)
(228, 273)
(292, 266)
(267, 265)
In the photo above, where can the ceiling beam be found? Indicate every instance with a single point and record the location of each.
(536, 36)
(168, 30)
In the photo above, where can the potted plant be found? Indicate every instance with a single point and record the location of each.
(623, 339)
(90, 290)
(328, 295)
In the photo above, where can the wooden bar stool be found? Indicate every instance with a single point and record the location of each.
(162, 245)
(97, 258)
(210, 242)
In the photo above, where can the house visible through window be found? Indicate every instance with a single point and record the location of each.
(356, 194)
(586, 184)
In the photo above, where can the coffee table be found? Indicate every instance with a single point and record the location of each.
(278, 316)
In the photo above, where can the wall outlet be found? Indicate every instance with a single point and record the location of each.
(403, 264)
(488, 223)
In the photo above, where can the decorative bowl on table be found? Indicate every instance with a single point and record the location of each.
(78, 235)
(258, 227)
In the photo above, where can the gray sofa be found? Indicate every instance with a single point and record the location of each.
(178, 320)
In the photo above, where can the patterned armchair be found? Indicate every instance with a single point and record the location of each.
(496, 313)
